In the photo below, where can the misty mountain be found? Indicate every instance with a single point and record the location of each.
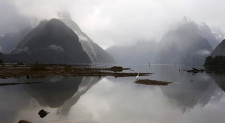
(10, 40)
(220, 50)
(211, 36)
(183, 45)
(95, 52)
(50, 42)
(218, 34)
(140, 53)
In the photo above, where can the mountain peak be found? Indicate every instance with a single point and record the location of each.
(184, 45)
(55, 21)
(64, 15)
(95, 52)
(52, 43)
(66, 18)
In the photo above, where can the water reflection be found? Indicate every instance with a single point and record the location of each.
(188, 89)
(187, 94)
(191, 98)
(219, 79)
(58, 92)
(114, 101)
(55, 91)
(13, 99)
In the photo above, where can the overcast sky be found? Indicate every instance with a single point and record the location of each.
(115, 22)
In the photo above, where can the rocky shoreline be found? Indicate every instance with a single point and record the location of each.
(42, 70)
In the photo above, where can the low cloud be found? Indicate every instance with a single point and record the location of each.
(56, 47)
(114, 22)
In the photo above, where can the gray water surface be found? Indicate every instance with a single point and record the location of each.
(191, 98)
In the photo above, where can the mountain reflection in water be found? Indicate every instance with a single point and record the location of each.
(197, 98)
(56, 92)
(60, 92)
(190, 93)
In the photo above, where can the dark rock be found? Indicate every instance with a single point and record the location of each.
(195, 70)
(24, 121)
(42, 113)
(28, 76)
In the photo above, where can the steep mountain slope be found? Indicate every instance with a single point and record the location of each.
(184, 45)
(10, 40)
(51, 42)
(207, 33)
(95, 52)
(220, 50)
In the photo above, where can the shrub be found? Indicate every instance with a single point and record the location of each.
(1, 61)
(218, 60)
(37, 67)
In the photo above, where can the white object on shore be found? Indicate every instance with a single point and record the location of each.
(137, 76)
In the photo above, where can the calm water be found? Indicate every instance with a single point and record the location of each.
(192, 98)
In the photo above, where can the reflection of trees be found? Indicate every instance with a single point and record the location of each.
(188, 93)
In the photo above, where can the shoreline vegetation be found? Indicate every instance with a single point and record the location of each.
(42, 70)
(215, 64)
(215, 61)
(152, 82)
